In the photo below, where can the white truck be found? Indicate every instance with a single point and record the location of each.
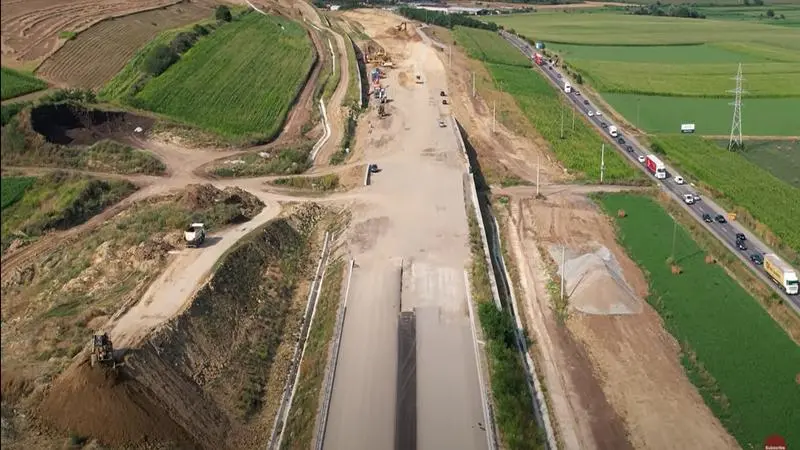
(659, 170)
(567, 87)
(612, 130)
(195, 234)
(781, 273)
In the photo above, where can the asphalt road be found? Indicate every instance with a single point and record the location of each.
(725, 232)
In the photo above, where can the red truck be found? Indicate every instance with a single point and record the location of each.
(537, 58)
(656, 167)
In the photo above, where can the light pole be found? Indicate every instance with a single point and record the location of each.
(602, 162)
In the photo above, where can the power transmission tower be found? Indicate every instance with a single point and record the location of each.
(735, 141)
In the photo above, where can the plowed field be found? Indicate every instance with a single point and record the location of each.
(97, 54)
(30, 28)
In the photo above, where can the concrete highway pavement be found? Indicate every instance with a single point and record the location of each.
(725, 232)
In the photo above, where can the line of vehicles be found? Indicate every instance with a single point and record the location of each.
(773, 266)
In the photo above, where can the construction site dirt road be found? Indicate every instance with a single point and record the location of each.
(419, 224)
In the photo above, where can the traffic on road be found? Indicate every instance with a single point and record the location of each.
(751, 251)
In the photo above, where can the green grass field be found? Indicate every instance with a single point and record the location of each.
(780, 158)
(54, 201)
(579, 151)
(736, 182)
(724, 332)
(239, 82)
(14, 83)
(785, 15)
(12, 189)
(712, 116)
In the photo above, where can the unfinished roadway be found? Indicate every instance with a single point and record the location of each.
(410, 249)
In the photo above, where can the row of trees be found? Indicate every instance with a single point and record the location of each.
(445, 20)
(657, 9)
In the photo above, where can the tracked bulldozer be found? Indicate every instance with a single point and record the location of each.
(102, 351)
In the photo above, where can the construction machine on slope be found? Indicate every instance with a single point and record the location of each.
(102, 351)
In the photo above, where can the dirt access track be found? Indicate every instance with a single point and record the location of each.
(614, 381)
(410, 248)
(30, 28)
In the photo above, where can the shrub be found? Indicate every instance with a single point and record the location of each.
(159, 59)
(183, 42)
(223, 13)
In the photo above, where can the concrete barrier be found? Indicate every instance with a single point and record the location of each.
(366, 176)
(327, 388)
(326, 134)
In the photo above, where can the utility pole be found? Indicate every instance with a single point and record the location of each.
(563, 263)
(538, 167)
(562, 121)
(602, 162)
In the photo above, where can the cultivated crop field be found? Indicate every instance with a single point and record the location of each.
(665, 69)
(742, 362)
(736, 181)
(579, 151)
(31, 28)
(97, 54)
(238, 82)
(711, 116)
(780, 158)
(784, 15)
(620, 29)
(15, 83)
(484, 45)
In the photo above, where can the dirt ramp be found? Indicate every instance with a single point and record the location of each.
(111, 406)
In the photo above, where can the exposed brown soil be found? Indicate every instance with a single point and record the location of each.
(68, 124)
(635, 361)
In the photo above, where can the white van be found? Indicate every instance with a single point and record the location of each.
(567, 87)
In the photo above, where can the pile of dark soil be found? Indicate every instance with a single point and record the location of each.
(240, 204)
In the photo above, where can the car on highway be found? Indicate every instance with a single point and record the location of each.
(586, 102)
(591, 113)
(628, 148)
(441, 123)
(621, 141)
(696, 197)
(688, 199)
(720, 218)
(603, 125)
(598, 113)
(558, 75)
(757, 259)
(641, 158)
(741, 237)
(577, 93)
(741, 245)
(679, 179)
(707, 218)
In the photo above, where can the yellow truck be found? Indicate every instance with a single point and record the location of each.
(781, 273)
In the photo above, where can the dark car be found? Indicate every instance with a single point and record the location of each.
(373, 168)
(720, 218)
(603, 125)
(707, 218)
(741, 245)
(586, 102)
(442, 94)
(757, 259)
(741, 237)
(629, 148)
(621, 141)
(577, 93)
